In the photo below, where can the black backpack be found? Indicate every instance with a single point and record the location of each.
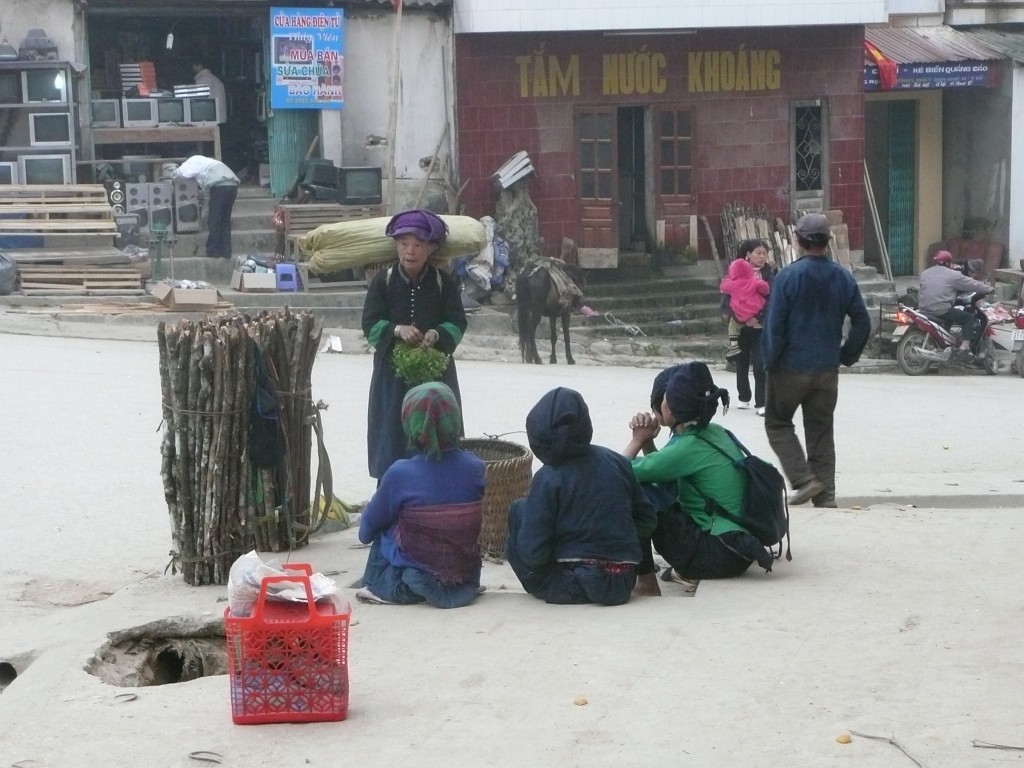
(765, 512)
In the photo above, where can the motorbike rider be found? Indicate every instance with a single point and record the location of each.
(937, 297)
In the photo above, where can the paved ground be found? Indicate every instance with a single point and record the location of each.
(900, 613)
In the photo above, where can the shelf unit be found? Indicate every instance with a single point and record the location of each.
(38, 88)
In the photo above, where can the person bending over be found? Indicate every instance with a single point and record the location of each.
(424, 520)
(575, 538)
(696, 543)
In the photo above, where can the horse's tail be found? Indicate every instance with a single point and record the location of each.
(524, 310)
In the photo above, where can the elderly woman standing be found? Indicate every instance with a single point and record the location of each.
(411, 303)
(424, 521)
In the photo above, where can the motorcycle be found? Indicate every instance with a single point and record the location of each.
(924, 341)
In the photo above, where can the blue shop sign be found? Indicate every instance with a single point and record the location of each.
(307, 58)
(942, 74)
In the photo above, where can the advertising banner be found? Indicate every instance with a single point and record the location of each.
(307, 58)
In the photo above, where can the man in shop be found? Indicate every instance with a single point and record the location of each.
(802, 347)
(221, 187)
(203, 76)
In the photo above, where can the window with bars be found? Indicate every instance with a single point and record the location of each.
(675, 140)
(808, 148)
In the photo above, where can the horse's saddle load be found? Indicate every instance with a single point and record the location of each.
(569, 294)
(362, 243)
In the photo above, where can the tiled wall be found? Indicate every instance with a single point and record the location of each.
(741, 139)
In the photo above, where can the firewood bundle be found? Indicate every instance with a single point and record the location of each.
(220, 505)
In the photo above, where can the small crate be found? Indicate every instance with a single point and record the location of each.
(288, 662)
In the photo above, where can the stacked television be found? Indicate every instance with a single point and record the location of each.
(40, 145)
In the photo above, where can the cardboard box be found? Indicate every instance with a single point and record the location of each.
(186, 299)
(254, 282)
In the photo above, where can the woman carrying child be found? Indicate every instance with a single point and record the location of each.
(695, 465)
(747, 288)
(424, 520)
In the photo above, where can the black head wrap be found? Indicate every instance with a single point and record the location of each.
(692, 395)
(660, 382)
(559, 427)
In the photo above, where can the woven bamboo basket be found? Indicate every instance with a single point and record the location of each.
(507, 476)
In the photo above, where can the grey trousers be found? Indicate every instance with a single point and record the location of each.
(816, 395)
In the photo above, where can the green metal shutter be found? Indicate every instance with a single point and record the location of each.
(902, 153)
(289, 132)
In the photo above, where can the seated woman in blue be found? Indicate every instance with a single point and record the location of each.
(424, 519)
(696, 544)
(576, 537)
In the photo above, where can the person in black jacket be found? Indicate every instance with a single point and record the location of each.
(576, 537)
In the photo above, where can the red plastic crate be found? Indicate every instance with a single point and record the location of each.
(288, 662)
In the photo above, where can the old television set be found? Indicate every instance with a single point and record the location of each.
(171, 111)
(50, 129)
(44, 169)
(8, 174)
(44, 86)
(360, 186)
(201, 110)
(10, 88)
(139, 113)
(106, 113)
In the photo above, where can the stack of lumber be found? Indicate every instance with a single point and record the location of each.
(77, 216)
(48, 280)
(742, 222)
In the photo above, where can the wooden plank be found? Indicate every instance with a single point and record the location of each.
(98, 255)
(49, 209)
(64, 227)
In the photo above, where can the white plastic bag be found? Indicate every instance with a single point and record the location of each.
(246, 577)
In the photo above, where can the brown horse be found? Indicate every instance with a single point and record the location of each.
(546, 288)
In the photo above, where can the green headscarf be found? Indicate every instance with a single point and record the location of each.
(431, 419)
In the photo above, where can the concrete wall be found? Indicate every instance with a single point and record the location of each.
(976, 151)
(357, 135)
(56, 17)
(479, 16)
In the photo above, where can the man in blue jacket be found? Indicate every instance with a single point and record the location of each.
(802, 346)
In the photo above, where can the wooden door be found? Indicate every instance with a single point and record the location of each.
(673, 180)
(596, 166)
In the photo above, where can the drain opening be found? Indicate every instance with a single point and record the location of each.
(7, 674)
(165, 652)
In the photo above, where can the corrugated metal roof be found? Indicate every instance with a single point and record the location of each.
(912, 45)
(1009, 44)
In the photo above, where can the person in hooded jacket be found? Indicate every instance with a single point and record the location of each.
(575, 538)
(695, 543)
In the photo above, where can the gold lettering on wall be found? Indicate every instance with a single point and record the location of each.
(628, 73)
(643, 73)
(542, 76)
(726, 71)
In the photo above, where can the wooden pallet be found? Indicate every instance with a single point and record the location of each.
(300, 219)
(75, 210)
(77, 280)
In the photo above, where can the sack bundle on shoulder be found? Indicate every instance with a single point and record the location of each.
(765, 513)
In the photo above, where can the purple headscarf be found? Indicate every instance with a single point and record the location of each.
(424, 225)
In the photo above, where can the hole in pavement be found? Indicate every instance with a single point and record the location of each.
(163, 652)
(12, 666)
(7, 674)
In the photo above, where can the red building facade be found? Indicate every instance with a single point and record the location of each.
(632, 135)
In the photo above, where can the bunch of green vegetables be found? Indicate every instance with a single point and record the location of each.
(418, 365)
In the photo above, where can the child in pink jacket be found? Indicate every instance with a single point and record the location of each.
(747, 292)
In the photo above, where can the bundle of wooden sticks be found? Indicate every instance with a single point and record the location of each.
(220, 504)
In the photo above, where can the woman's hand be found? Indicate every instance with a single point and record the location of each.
(409, 334)
(645, 427)
(430, 339)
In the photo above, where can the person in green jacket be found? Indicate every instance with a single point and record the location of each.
(696, 543)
